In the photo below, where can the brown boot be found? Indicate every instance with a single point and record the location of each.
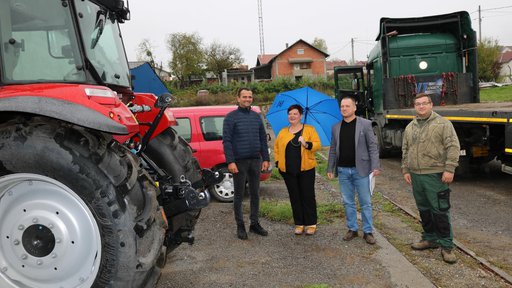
(448, 256)
(350, 235)
(424, 244)
(368, 237)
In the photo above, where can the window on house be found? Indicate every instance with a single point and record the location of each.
(300, 51)
(305, 65)
(296, 66)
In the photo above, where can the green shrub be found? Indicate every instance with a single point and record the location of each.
(264, 92)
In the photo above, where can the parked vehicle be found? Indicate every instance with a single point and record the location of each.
(434, 55)
(201, 127)
(95, 188)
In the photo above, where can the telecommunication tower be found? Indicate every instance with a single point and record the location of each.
(260, 21)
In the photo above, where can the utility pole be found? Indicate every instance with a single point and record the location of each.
(479, 24)
(260, 22)
(352, 42)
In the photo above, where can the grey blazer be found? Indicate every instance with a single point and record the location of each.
(367, 151)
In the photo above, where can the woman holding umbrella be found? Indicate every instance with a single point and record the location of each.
(294, 152)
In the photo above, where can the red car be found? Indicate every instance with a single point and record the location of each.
(201, 127)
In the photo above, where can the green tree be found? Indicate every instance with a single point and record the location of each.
(488, 60)
(187, 56)
(320, 44)
(220, 57)
(145, 52)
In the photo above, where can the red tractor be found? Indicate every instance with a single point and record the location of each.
(95, 187)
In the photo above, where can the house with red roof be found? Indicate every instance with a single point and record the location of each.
(297, 61)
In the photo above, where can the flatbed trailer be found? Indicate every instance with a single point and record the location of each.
(489, 122)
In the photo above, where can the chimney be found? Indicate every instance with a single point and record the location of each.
(286, 45)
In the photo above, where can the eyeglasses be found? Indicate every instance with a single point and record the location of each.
(417, 104)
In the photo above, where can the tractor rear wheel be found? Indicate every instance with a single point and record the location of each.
(75, 209)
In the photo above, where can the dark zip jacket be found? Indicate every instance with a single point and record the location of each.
(244, 136)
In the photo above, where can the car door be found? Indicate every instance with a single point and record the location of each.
(212, 150)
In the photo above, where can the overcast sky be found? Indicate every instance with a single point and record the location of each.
(235, 22)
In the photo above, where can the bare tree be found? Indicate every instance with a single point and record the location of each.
(145, 52)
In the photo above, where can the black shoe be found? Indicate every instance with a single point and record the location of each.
(256, 228)
(240, 232)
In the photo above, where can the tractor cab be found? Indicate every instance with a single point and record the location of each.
(48, 41)
(349, 82)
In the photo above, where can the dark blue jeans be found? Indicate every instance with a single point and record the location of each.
(248, 171)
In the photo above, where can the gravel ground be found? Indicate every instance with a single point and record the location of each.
(481, 210)
(219, 259)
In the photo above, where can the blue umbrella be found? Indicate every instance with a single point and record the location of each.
(320, 111)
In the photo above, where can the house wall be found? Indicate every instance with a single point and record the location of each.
(281, 67)
(506, 72)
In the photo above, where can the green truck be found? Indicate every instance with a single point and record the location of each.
(434, 55)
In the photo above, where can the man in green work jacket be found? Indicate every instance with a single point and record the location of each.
(430, 154)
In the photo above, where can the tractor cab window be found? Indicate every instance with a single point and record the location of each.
(38, 42)
(103, 43)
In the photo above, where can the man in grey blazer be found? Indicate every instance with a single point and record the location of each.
(353, 155)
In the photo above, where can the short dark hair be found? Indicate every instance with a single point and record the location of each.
(421, 95)
(296, 106)
(242, 89)
(349, 97)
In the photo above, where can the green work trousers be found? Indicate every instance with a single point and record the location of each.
(433, 201)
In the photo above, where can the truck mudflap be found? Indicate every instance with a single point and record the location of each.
(506, 162)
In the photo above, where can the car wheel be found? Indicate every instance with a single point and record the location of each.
(225, 190)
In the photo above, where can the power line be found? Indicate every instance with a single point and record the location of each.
(497, 8)
(344, 46)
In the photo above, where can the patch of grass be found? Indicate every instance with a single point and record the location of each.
(317, 286)
(281, 211)
(384, 205)
(321, 168)
(275, 174)
(496, 94)
(328, 212)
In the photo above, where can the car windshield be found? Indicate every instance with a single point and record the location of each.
(38, 42)
(103, 43)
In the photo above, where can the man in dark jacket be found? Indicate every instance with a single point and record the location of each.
(246, 150)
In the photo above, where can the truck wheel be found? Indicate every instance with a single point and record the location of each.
(75, 210)
(225, 190)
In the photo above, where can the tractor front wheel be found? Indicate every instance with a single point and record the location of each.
(76, 210)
